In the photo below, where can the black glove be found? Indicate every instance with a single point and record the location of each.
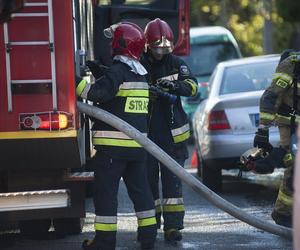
(78, 79)
(164, 83)
(261, 139)
(96, 69)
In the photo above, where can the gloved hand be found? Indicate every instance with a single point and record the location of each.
(261, 139)
(153, 95)
(96, 69)
(164, 83)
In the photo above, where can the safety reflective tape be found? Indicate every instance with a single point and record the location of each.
(106, 219)
(181, 130)
(157, 202)
(116, 142)
(133, 92)
(173, 208)
(173, 77)
(193, 86)
(86, 91)
(266, 116)
(111, 134)
(288, 157)
(80, 87)
(281, 83)
(105, 227)
(145, 214)
(134, 85)
(158, 209)
(37, 134)
(283, 76)
(136, 105)
(146, 222)
(285, 199)
(181, 138)
(173, 201)
(283, 119)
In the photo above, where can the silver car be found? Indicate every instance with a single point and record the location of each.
(225, 123)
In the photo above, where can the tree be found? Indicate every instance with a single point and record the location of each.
(289, 10)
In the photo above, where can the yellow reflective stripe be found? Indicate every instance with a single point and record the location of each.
(288, 157)
(266, 116)
(146, 222)
(173, 208)
(37, 134)
(136, 105)
(133, 92)
(193, 86)
(283, 76)
(282, 83)
(285, 199)
(80, 87)
(158, 209)
(116, 142)
(182, 137)
(105, 227)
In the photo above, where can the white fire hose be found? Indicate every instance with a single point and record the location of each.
(179, 171)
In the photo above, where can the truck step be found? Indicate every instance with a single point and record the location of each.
(29, 200)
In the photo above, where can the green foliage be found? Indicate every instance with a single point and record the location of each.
(289, 10)
(246, 19)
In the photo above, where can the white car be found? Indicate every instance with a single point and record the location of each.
(225, 123)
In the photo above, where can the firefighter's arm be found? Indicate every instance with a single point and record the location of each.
(103, 90)
(271, 99)
(186, 85)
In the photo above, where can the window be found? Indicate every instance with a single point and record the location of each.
(248, 77)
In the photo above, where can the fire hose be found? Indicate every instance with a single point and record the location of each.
(179, 171)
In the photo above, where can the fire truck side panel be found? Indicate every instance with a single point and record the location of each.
(38, 149)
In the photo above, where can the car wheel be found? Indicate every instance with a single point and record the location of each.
(68, 226)
(211, 177)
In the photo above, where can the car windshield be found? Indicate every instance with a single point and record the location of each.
(204, 57)
(247, 77)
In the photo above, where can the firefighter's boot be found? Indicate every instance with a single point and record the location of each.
(172, 235)
(99, 243)
(281, 219)
(90, 245)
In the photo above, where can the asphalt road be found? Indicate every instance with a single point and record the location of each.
(206, 227)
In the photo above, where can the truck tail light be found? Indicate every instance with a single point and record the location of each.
(217, 120)
(46, 121)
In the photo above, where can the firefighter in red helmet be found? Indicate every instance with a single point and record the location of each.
(169, 78)
(122, 91)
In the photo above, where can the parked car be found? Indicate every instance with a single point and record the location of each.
(209, 46)
(225, 123)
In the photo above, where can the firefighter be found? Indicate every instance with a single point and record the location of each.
(124, 92)
(279, 105)
(169, 78)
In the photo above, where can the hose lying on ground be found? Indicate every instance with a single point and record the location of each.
(189, 179)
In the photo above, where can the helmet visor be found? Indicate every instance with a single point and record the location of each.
(161, 50)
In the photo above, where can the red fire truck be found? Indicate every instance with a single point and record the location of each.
(43, 139)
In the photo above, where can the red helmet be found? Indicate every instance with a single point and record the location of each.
(128, 39)
(159, 36)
